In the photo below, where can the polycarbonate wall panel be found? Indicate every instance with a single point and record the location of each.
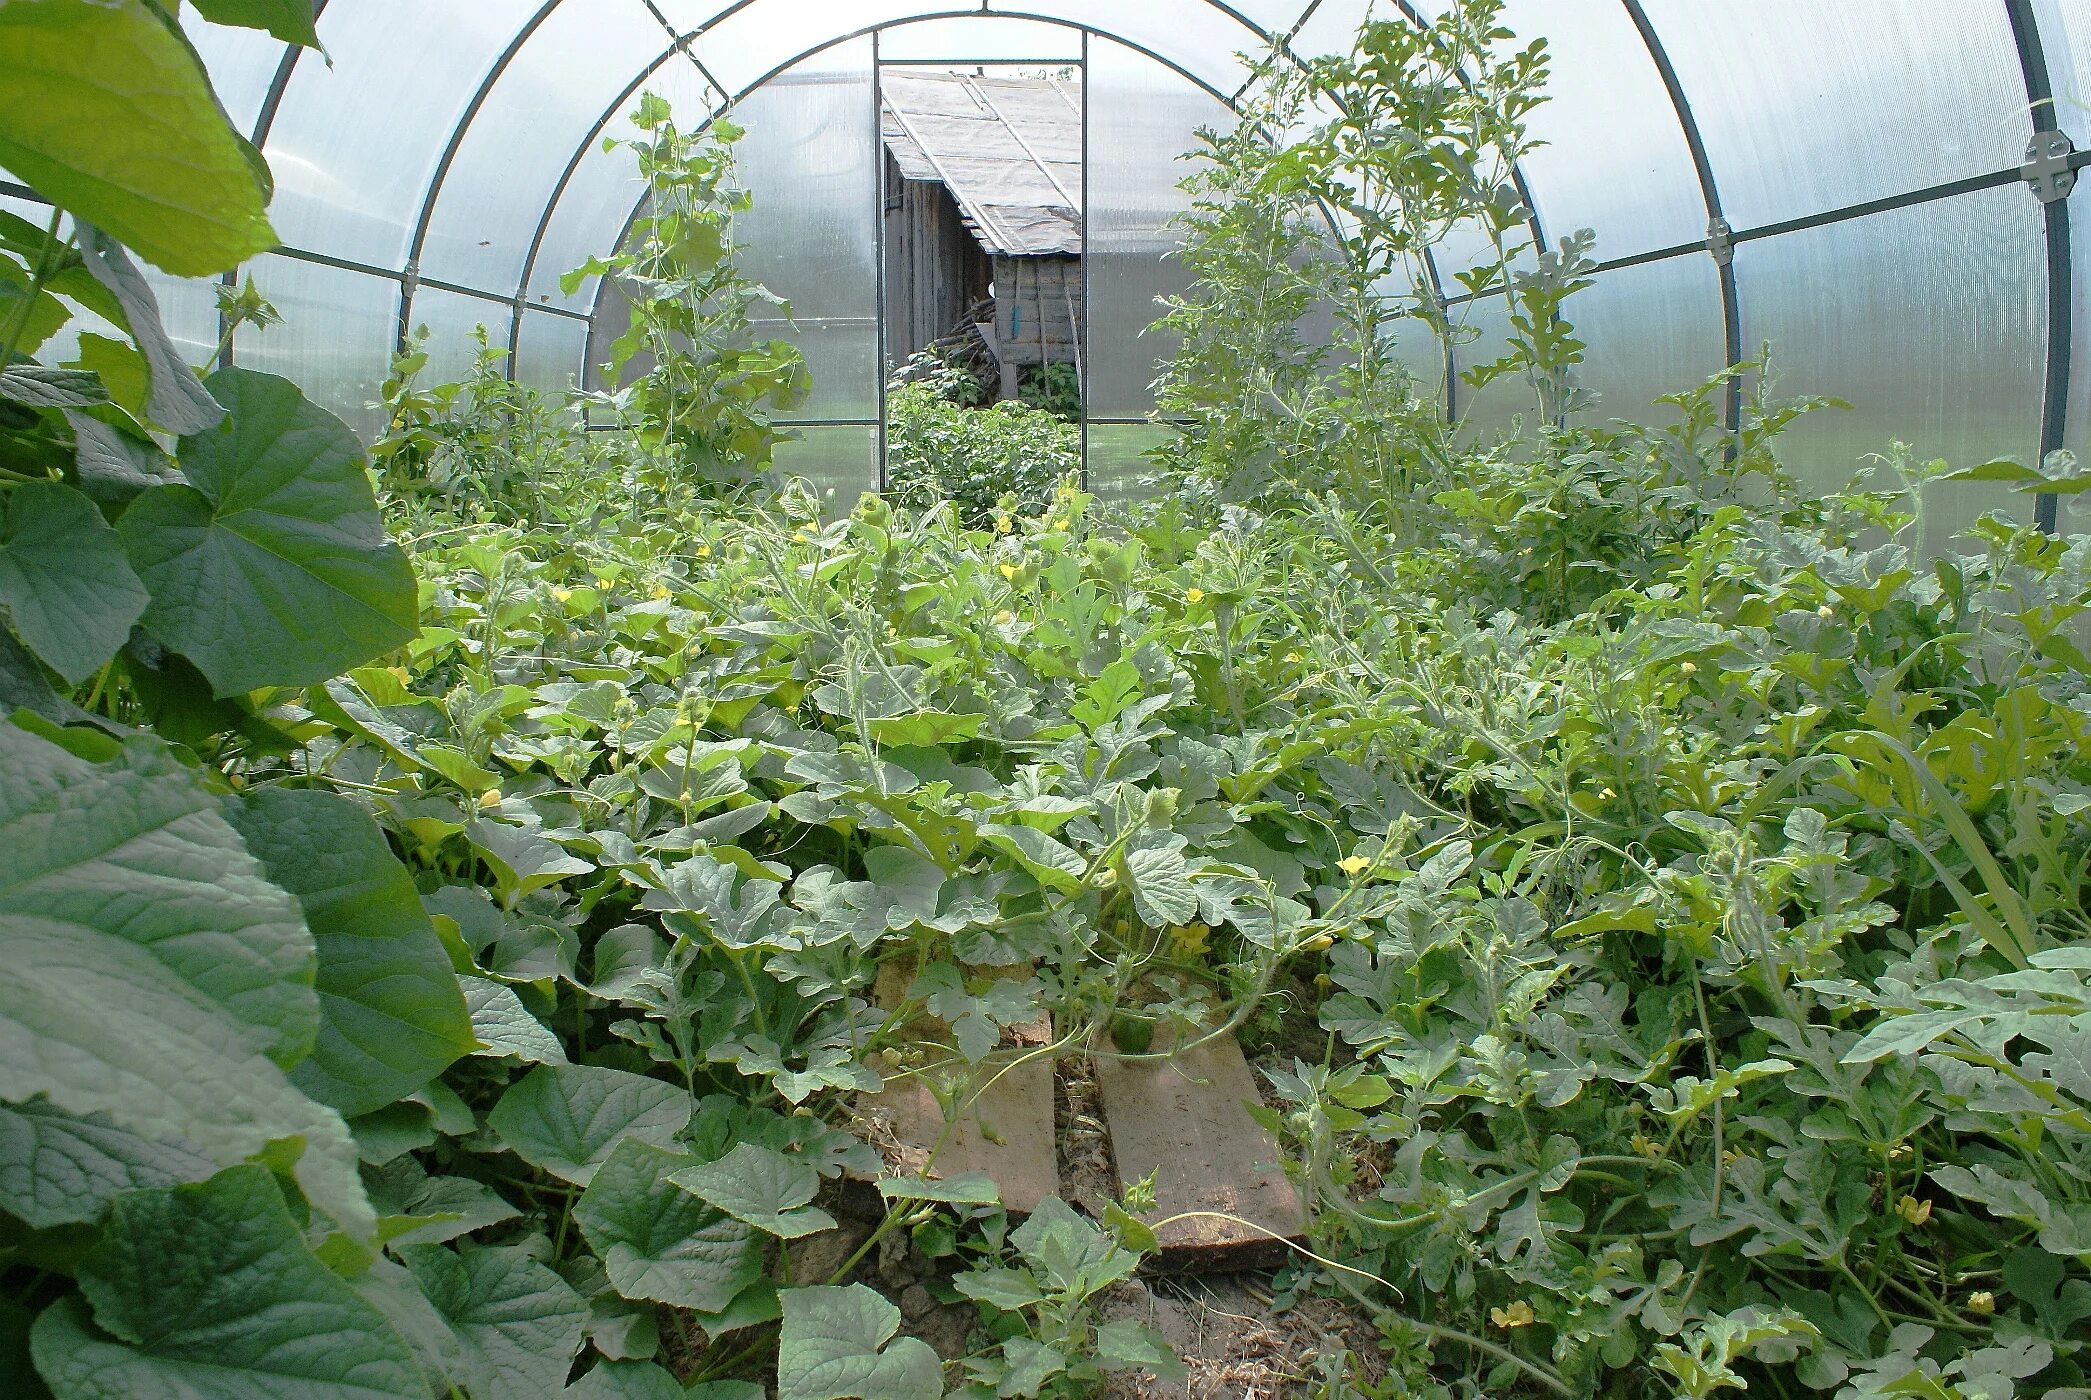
(1331, 27)
(2065, 36)
(355, 141)
(1142, 119)
(1806, 105)
(1189, 33)
(979, 37)
(451, 319)
(598, 201)
(810, 160)
(1118, 463)
(840, 462)
(1615, 158)
(2075, 511)
(336, 339)
(1505, 402)
(559, 83)
(748, 45)
(189, 311)
(549, 354)
(1931, 321)
(1654, 328)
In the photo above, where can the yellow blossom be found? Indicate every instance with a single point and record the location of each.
(490, 798)
(1004, 618)
(1354, 865)
(1983, 1303)
(1056, 523)
(1196, 595)
(704, 551)
(562, 594)
(1825, 611)
(1916, 1212)
(800, 536)
(1689, 668)
(1607, 794)
(660, 591)
(1518, 1314)
(1002, 524)
(1189, 939)
(1318, 942)
(1008, 570)
(1292, 657)
(400, 674)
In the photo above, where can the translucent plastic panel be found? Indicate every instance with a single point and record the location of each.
(1332, 26)
(810, 160)
(748, 45)
(1806, 106)
(1615, 159)
(1931, 321)
(355, 142)
(189, 311)
(600, 196)
(1118, 464)
(2065, 38)
(242, 63)
(336, 339)
(841, 464)
(2076, 510)
(451, 320)
(1266, 16)
(1507, 401)
(978, 36)
(560, 83)
(1142, 118)
(1188, 33)
(551, 350)
(1650, 329)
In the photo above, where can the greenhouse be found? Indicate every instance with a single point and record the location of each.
(887, 699)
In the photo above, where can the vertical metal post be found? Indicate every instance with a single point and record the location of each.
(880, 474)
(2050, 148)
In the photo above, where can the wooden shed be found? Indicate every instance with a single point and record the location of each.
(984, 205)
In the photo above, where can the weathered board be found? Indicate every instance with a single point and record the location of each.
(1005, 1132)
(1186, 1120)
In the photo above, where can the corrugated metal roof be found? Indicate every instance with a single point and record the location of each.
(1008, 149)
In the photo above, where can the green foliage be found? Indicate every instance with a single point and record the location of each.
(941, 445)
(693, 381)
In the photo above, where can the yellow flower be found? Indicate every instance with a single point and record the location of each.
(1002, 524)
(400, 674)
(704, 551)
(490, 798)
(1292, 658)
(1825, 611)
(1982, 1304)
(1004, 618)
(1354, 865)
(1916, 1212)
(660, 591)
(1689, 668)
(602, 583)
(800, 536)
(562, 594)
(1189, 939)
(1196, 595)
(1318, 942)
(1518, 1314)
(1607, 794)
(1056, 523)
(1008, 570)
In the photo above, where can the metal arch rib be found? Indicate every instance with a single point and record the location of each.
(589, 139)
(264, 121)
(1716, 221)
(2040, 97)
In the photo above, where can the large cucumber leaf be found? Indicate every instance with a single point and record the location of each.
(271, 566)
(106, 112)
(391, 1014)
(288, 20)
(566, 1118)
(57, 1168)
(517, 1323)
(210, 1291)
(659, 1242)
(152, 973)
(64, 581)
(831, 1349)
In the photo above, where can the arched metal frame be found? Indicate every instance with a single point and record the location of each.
(2048, 171)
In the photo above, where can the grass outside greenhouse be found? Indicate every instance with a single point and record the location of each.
(471, 900)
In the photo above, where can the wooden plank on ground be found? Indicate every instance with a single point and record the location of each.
(1186, 1120)
(1006, 1132)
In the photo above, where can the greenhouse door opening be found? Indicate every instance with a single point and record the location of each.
(984, 320)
